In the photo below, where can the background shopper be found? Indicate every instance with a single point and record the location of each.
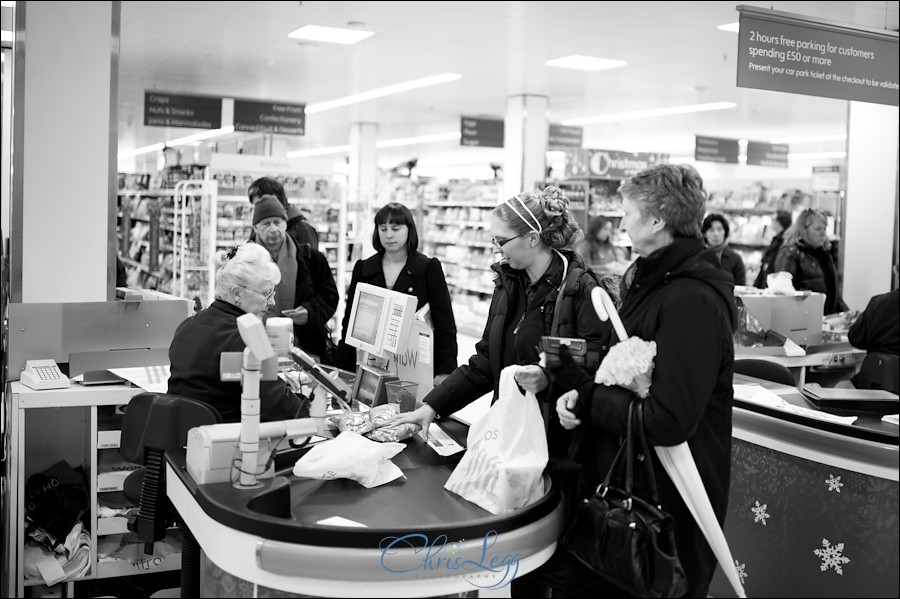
(715, 232)
(307, 293)
(805, 254)
(297, 226)
(398, 265)
(780, 224)
(676, 295)
(599, 252)
(245, 284)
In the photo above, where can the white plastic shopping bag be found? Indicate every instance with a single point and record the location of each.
(502, 469)
(352, 456)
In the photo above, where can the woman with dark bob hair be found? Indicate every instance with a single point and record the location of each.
(715, 231)
(675, 294)
(398, 265)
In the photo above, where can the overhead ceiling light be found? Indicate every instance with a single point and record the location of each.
(180, 141)
(653, 112)
(585, 63)
(732, 27)
(381, 92)
(8, 4)
(422, 139)
(332, 35)
(808, 138)
(6, 36)
(318, 151)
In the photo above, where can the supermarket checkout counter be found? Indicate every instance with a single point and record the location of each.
(813, 508)
(336, 538)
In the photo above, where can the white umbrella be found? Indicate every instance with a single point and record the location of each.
(681, 468)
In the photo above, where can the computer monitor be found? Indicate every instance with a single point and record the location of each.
(369, 385)
(380, 319)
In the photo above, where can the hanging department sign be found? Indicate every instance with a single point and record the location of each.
(611, 164)
(174, 110)
(480, 132)
(795, 54)
(716, 149)
(561, 136)
(269, 117)
(761, 153)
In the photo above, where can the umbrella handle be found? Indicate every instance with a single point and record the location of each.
(610, 308)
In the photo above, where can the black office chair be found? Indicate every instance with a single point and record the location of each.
(879, 370)
(766, 370)
(153, 424)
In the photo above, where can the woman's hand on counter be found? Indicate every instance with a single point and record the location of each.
(422, 416)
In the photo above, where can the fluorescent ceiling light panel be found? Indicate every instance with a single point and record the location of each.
(6, 36)
(645, 114)
(808, 138)
(585, 63)
(180, 141)
(732, 27)
(8, 4)
(422, 139)
(332, 35)
(381, 92)
(318, 151)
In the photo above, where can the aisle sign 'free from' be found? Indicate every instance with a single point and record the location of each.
(162, 109)
(561, 136)
(760, 153)
(481, 132)
(269, 117)
(796, 54)
(716, 149)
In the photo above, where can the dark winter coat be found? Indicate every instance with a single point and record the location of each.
(767, 264)
(679, 298)
(299, 228)
(878, 327)
(813, 269)
(317, 292)
(194, 355)
(513, 333)
(422, 277)
(731, 262)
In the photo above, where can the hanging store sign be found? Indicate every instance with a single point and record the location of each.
(609, 164)
(826, 178)
(716, 149)
(174, 110)
(796, 54)
(760, 153)
(561, 136)
(481, 132)
(269, 117)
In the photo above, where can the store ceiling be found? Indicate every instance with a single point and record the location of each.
(676, 56)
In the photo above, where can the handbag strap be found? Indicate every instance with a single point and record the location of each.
(624, 448)
(645, 449)
(554, 326)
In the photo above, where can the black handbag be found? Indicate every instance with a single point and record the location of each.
(623, 538)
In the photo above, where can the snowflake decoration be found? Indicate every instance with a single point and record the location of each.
(741, 570)
(759, 513)
(832, 557)
(454, 547)
(834, 483)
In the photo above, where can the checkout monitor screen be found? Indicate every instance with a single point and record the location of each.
(368, 317)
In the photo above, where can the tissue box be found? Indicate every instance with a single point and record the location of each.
(797, 317)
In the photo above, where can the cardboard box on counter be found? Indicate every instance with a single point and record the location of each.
(797, 317)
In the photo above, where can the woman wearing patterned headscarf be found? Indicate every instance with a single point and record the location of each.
(532, 233)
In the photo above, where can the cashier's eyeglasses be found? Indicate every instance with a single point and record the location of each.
(268, 296)
(502, 242)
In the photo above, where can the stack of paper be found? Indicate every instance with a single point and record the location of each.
(762, 396)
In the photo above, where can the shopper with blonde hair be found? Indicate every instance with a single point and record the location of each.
(805, 254)
(532, 232)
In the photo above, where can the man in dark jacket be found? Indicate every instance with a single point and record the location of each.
(297, 226)
(307, 293)
(673, 294)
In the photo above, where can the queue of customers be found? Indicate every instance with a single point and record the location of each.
(676, 292)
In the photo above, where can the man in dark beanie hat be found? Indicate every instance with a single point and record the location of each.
(307, 293)
(297, 225)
